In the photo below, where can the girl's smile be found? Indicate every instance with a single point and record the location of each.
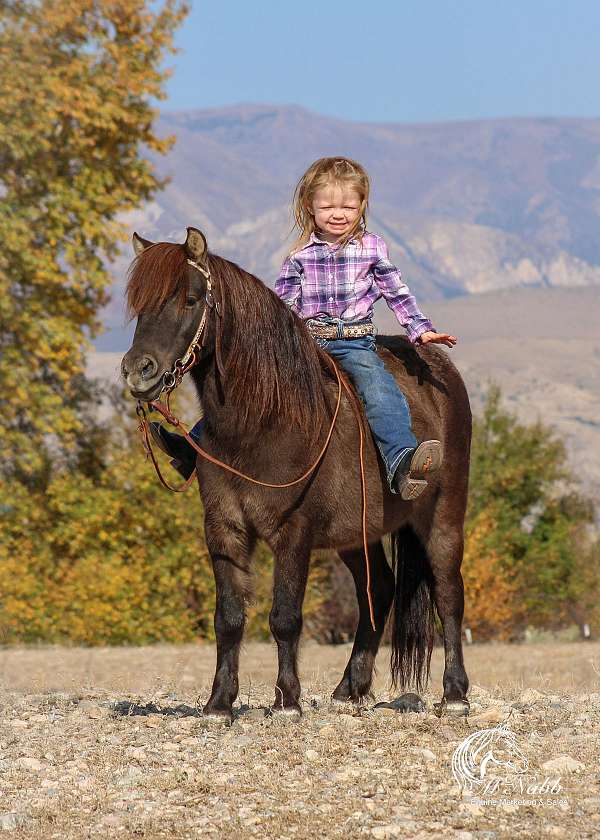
(335, 210)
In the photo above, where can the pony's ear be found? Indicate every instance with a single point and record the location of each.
(139, 244)
(195, 245)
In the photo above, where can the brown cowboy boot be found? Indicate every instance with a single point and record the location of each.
(409, 481)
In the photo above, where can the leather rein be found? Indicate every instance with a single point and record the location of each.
(172, 378)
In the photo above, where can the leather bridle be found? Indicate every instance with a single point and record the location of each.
(172, 378)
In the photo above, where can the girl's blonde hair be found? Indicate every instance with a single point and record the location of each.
(327, 172)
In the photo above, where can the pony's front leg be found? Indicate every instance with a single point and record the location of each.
(230, 554)
(285, 620)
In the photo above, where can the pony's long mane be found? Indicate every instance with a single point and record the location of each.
(273, 367)
(274, 370)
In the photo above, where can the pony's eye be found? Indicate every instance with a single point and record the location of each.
(190, 302)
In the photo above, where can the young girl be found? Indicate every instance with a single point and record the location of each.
(331, 279)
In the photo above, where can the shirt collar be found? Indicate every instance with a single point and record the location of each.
(315, 240)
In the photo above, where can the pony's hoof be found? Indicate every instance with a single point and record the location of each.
(405, 703)
(214, 718)
(291, 713)
(349, 704)
(452, 708)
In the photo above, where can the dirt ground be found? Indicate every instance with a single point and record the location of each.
(109, 743)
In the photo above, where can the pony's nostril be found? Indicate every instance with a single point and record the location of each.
(147, 367)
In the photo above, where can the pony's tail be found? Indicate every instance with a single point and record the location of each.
(414, 619)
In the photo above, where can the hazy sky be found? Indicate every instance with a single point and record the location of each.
(408, 60)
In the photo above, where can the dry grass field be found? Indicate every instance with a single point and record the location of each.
(109, 743)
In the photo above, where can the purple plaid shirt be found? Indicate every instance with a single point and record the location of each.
(321, 280)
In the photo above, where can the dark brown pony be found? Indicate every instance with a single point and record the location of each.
(268, 396)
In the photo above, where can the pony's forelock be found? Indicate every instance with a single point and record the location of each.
(155, 275)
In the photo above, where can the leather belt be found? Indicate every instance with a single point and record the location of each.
(331, 331)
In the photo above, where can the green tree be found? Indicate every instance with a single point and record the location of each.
(76, 126)
(529, 556)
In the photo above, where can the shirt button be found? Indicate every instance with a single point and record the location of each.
(330, 300)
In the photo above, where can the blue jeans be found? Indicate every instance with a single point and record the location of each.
(385, 405)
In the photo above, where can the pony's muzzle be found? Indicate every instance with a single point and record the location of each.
(141, 373)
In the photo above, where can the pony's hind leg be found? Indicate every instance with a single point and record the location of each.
(358, 674)
(445, 551)
(285, 620)
(230, 551)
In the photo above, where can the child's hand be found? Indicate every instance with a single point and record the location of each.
(431, 337)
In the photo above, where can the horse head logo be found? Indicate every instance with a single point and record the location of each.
(485, 753)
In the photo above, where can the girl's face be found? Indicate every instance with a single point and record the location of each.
(336, 210)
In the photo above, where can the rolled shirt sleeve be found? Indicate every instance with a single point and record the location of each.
(288, 285)
(398, 296)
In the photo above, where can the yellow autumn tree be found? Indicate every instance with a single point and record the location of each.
(492, 604)
(77, 78)
(115, 558)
